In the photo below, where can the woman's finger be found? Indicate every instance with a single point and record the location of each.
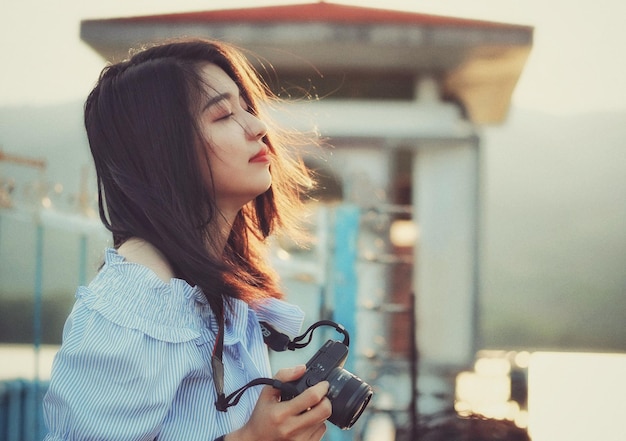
(290, 374)
(311, 397)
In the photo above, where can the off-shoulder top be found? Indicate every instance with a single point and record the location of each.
(134, 363)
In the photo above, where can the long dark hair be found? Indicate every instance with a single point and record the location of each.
(141, 122)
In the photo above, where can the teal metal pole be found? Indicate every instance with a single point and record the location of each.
(38, 295)
(346, 229)
(82, 264)
(37, 317)
(344, 285)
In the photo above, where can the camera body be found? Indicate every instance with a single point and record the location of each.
(331, 355)
(348, 394)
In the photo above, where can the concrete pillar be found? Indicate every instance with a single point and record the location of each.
(445, 199)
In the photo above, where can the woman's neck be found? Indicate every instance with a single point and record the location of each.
(219, 234)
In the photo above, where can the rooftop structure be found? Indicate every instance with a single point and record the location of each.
(476, 63)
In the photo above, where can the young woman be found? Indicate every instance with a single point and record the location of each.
(191, 183)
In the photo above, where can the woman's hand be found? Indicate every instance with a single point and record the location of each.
(301, 418)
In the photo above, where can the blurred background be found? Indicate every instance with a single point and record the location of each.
(470, 232)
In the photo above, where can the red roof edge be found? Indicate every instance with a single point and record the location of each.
(313, 12)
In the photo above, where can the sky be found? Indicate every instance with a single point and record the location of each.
(576, 65)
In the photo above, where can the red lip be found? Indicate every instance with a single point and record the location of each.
(262, 156)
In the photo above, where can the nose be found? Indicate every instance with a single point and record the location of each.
(255, 127)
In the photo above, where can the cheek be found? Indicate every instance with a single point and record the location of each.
(218, 144)
(226, 166)
(213, 162)
(214, 148)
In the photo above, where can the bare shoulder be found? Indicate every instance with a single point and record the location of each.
(144, 253)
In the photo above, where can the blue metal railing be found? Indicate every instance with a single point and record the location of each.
(21, 417)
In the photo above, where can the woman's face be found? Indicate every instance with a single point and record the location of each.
(239, 159)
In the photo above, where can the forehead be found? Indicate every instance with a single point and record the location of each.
(217, 81)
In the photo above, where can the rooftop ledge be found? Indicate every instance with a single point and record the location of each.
(476, 63)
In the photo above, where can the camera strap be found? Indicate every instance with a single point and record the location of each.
(280, 342)
(217, 363)
(276, 341)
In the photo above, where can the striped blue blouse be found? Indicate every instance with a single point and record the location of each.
(135, 359)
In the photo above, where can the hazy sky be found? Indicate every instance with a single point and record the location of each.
(577, 63)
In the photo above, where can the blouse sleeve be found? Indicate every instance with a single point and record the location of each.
(286, 317)
(111, 382)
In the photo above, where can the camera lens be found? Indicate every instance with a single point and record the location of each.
(349, 396)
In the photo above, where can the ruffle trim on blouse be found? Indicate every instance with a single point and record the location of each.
(132, 296)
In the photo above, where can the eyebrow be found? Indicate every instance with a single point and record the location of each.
(217, 98)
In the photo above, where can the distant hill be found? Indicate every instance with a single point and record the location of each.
(554, 239)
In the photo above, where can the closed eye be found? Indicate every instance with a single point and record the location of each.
(220, 109)
(225, 105)
(229, 115)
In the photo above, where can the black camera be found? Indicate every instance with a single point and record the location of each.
(348, 394)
